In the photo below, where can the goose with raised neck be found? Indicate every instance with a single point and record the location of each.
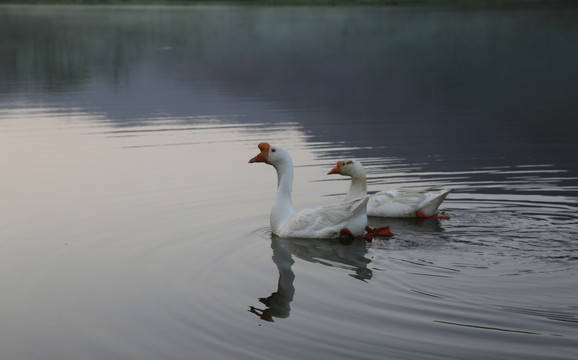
(392, 202)
(320, 222)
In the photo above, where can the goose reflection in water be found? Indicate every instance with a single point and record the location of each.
(349, 255)
(346, 255)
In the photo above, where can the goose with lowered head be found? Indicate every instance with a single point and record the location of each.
(321, 222)
(393, 202)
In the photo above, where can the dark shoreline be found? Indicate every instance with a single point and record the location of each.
(290, 2)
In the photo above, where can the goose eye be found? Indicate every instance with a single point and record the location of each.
(273, 150)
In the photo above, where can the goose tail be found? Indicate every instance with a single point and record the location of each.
(431, 203)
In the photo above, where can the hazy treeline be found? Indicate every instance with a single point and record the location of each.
(289, 2)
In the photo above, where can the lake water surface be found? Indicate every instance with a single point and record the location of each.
(132, 226)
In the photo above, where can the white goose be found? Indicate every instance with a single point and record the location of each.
(389, 203)
(321, 222)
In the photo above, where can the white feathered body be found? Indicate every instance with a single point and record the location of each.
(324, 221)
(405, 202)
(391, 202)
(315, 223)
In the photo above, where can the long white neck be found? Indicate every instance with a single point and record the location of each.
(358, 187)
(283, 207)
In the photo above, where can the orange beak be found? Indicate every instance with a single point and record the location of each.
(263, 156)
(335, 170)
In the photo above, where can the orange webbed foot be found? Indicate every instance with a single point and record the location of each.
(378, 231)
(346, 233)
(440, 216)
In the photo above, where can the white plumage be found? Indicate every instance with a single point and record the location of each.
(393, 202)
(320, 222)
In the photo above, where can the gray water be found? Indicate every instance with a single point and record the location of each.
(132, 226)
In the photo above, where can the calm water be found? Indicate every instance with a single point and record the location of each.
(132, 226)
